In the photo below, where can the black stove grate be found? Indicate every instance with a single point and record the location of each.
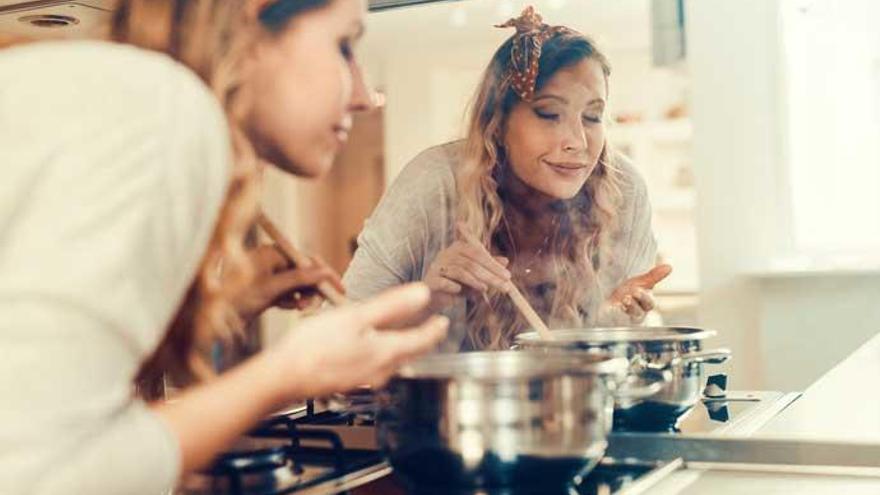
(320, 453)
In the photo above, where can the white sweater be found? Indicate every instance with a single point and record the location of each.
(113, 166)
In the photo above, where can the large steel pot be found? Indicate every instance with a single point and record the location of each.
(505, 418)
(678, 350)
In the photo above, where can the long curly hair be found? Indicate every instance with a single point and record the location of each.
(576, 244)
(213, 38)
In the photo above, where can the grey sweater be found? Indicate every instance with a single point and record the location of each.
(415, 220)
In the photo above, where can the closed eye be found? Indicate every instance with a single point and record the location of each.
(547, 115)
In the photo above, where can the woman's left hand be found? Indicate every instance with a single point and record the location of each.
(277, 284)
(633, 297)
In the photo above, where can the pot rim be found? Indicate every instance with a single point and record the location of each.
(492, 365)
(612, 335)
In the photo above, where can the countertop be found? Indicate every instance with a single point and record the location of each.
(842, 406)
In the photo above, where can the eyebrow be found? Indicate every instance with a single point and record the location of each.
(550, 97)
(565, 101)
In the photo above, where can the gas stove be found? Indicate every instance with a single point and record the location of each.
(300, 451)
(308, 451)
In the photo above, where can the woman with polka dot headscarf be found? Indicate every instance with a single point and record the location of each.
(532, 196)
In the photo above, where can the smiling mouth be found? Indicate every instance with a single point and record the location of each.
(567, 167)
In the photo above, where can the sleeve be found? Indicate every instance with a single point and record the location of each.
(412, 222)
(641, 245)
(117, 182)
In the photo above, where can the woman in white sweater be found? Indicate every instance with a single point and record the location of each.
(533, 195)
(127, 177)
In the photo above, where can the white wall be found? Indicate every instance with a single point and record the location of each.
(832, 60)
(427, 96)
(784, 331)
(732, 55)
(809, 323)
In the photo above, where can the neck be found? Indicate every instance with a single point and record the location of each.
(530, 214)
(523, 199)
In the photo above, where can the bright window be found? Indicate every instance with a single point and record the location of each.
(832, 79)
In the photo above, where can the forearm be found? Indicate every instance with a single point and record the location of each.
(209, 417)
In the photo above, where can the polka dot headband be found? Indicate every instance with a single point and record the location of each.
(531, 33)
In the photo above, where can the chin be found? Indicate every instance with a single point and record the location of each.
(562, 192)
(310, 167)
(316, 170)
(319, 164)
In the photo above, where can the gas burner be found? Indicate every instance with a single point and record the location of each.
(257, 471)
(283, 455)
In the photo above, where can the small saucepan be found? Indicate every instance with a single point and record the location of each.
(678, 350)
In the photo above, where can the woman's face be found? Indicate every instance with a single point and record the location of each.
(553, 142)
(305, 84)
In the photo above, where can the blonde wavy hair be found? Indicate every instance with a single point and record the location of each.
(578, 241)
(213, 38)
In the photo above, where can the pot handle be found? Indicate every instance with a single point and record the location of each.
(712, 356)
(645, 383)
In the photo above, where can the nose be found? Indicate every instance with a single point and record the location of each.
(574, 139)
(361, 93)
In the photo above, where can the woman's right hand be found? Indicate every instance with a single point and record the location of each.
(465, 265)
(345, 347)
(335, 351)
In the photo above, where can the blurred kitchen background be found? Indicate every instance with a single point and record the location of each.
(755, 123)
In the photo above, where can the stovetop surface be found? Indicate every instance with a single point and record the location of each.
(315, 453)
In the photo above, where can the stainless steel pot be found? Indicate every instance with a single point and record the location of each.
(498, 418)
(675, 349)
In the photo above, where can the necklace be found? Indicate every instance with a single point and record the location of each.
(528, 269)
(544, 243)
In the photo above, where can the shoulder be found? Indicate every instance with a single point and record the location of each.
(449, 153)
(421, 198)
(87, 95)
(108, 64)
(632, 184)
(430, 174)
(437, 163)
(86, 80)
